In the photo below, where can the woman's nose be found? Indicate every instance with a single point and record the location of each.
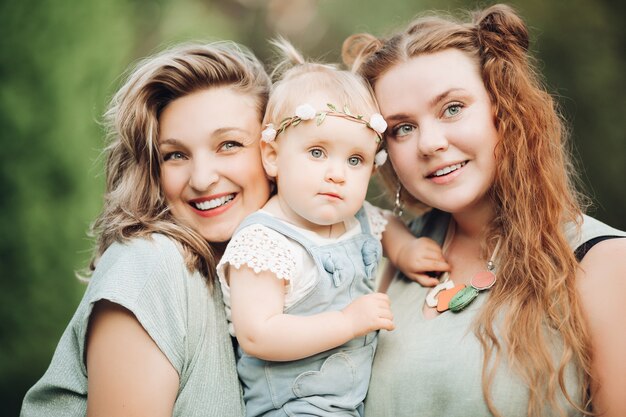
(432, 139)
(203, 175)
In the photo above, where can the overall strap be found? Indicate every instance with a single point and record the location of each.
(361, 216)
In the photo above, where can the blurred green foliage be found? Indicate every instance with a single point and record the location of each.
(60, 61)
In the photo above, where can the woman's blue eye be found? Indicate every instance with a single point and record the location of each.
(173, 156)
(452, 110)
(354, 161)
(402, 130)
(231, 144)
(316, 153)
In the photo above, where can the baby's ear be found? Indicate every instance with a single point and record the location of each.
(268, 156)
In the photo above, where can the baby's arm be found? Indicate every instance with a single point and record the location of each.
(264, 331)
(415, 257)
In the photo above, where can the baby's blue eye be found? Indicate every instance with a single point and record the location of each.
(354, 161)
(316, 153)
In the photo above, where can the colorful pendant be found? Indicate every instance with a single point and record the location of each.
(481, 281)
(445, 284)
(443, 301)
(448, 296)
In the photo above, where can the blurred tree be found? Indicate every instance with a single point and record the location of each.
(61, 61)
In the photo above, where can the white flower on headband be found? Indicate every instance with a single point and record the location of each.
(305, 111)
(380, 158)
(269, 133)
(378, 123)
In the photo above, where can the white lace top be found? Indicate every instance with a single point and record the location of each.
(263, 249)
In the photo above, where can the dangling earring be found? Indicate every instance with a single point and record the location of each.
(398, 206)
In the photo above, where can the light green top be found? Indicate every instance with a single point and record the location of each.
(176, 308)
(433, 367)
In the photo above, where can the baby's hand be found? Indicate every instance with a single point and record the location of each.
(420, 256)
(368, 313)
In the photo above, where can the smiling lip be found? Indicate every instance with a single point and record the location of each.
(446, 173)
(213, 205)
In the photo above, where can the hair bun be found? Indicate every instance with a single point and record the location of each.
(501, 25)
(357, 48)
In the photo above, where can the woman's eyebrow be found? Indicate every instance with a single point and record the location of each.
(228, 129)
(169, 141)
(439, 98)
(216, 132)
(398, 116)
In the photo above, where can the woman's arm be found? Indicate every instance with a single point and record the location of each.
(264, 331)
(127, 373)
(602, 288)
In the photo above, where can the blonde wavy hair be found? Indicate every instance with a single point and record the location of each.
(134, 204)
(533, 193)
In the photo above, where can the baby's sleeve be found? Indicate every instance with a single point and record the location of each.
(376, 218)
(260, 249)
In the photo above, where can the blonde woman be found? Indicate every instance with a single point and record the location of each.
(183, 169)
(529, 321)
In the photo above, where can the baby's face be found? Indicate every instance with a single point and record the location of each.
(323, 170)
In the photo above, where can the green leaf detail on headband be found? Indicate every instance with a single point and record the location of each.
(332, 107)
(320, 118)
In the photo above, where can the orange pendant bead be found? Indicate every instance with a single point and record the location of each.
(443, 300)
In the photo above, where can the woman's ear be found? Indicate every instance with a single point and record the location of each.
(269, 154)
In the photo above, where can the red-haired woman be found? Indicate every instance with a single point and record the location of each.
(536, 287)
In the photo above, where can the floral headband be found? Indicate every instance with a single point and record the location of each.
(308, 112)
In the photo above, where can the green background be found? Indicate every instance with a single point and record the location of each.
(60, 61)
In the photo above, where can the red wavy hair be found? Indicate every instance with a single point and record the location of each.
(533, 193)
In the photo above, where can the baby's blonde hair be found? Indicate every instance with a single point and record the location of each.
(297, 79)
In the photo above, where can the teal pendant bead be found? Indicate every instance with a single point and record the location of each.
(462, 299)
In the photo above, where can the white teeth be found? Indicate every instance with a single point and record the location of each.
(216, 202)
(448, 170)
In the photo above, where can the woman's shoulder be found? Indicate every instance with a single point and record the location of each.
(128, 270)
(154, 246)
(588, 229)
(148, 277)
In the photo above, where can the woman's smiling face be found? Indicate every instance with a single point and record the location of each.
(441, 136)
(211, 173)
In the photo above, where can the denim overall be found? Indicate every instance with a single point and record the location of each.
(329, 383)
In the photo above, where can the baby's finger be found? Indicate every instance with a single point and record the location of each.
(433, 255)
(387, 324)
(423, 265)
(423, 279)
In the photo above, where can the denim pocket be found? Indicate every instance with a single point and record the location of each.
(341, 381)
